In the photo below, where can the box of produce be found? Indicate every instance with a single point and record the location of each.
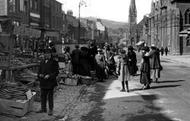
(72, 80)
(15, 100)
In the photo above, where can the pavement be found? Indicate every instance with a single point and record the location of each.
(181, 59)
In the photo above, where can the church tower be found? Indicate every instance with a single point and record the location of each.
(132, 23)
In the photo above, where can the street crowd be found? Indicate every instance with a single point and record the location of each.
(104, 61)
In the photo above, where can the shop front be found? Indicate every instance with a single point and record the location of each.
(26, 39)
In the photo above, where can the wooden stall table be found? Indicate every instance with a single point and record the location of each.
(9, 70)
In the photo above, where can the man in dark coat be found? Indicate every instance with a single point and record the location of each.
(92, 53)
(48, 71)
(162, 51)
(166, 51)
(84, 62)
(76, 59)
(154, 63)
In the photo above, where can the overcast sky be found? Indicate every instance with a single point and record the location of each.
(116, 10)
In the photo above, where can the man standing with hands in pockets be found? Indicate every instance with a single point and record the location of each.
(48, 71)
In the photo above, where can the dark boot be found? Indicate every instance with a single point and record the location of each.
(147, 86)
(50, 113)
(127, 86)
(123, 86)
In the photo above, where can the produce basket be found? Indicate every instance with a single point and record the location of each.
(72, 80)
(86, 80)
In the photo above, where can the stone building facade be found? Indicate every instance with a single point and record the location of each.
(166, 20)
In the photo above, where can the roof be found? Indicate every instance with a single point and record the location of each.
(72, 20)
(99, 26)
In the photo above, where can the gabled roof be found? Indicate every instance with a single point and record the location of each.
(100, 26)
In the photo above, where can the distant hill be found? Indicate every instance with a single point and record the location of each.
(116, 30)
(109, 23)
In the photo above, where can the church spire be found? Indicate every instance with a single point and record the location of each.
(132, 23)
(132, 12)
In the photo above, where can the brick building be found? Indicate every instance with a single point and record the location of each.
(51, 20)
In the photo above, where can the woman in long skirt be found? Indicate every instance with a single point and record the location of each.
(100, 65)
(123, 71)
(145, 69)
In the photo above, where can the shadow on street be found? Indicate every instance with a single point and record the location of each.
(150, 111)
(164, 86)
(171, 81)
(97, 97)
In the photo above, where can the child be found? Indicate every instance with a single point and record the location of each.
(123, 71)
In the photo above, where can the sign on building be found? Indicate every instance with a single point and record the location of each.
(3, 8)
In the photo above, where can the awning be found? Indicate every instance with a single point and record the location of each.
(140, 43)
(52, 34)
(24, 31)
(184, 33)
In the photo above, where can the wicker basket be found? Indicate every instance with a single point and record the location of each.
(86, 80)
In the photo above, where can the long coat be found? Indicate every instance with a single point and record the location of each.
(132, 62)
(100, 66)
(122, 68)
(76, 56)
(84, 62)
(154, 59)
(51, 68)
(145, 70)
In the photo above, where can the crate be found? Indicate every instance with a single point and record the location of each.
(16, 108)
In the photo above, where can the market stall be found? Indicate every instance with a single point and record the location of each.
(16, 94)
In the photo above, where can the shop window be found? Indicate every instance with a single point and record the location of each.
(21, 5)
(187, 16)
(188, 40)
(25, 6)
(12, 6)
(31, 4)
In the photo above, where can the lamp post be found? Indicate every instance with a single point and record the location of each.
(81, 3)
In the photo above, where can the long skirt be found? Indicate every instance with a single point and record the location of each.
(145, 78)
(100, 72)
(124, 73)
